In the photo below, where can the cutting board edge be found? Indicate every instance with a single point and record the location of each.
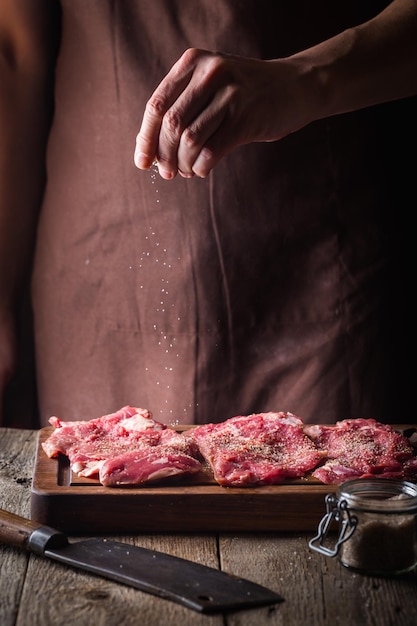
(174, 508)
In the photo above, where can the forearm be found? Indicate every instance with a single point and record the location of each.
(23, 126)
(22, 141)
(372, 63)
(26, 63)
(210, 103)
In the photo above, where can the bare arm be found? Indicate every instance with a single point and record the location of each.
(25, 105)
(210, 103)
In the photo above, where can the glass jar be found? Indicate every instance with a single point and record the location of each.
(377, 520)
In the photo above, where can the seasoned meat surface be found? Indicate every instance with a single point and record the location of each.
(362, 447)
(258, 449)
(129, 447)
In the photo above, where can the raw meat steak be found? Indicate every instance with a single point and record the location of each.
(171, 455)
(263, 448)
(89, 444)
(67, 434)
(358, 448)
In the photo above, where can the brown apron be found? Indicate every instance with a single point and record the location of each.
(271, 285)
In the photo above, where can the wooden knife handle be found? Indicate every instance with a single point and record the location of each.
(16, 530)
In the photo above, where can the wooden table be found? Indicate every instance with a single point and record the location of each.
(317, 590)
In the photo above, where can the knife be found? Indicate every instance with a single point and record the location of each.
(198, 587)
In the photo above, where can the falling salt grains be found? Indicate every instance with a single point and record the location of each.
(154, 173)
(154, 260)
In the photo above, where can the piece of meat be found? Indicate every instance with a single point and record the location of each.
(124, 448)
(258, 449)
(88, 443)
(66, 434)
(171, 455)
(359, 448)
(87, 457)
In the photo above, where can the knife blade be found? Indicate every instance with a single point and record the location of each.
(198, 587)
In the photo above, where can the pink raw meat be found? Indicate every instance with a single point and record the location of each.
(87, 444)
(263, 448)
(358, 448)
(171, 455)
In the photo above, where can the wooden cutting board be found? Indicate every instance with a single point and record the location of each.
(76, 505)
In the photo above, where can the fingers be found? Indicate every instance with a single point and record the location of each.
(181, 116)
(147, 139)
(207, 104)
(167, 114)
(210, 136)
(177, 126)
(194, 155)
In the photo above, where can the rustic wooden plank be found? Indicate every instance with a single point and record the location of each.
(13, 566)
(168, 509)
(317, 590)
(17, 449)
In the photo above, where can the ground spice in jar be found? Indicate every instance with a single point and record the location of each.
(381, 544)
(377, 526)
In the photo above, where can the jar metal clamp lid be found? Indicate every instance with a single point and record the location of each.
(338, 511)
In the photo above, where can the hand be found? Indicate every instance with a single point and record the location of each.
(210, 103)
